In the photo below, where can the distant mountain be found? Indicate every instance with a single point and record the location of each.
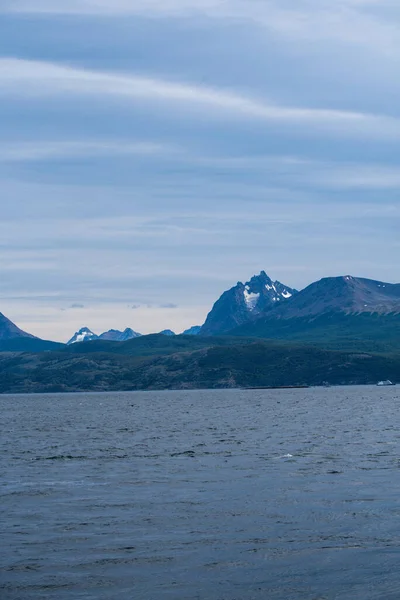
(119, 336)
(83, 335)
(195, 330)
(13, 339)
(337, 312)
(167, 332)
(8, 330)
(246, 302)
(347, 294)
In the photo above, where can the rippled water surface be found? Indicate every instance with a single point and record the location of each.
(211, 495)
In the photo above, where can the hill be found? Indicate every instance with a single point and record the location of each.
(260, 363)
(155, 344)
(369, 332)
(28, 344)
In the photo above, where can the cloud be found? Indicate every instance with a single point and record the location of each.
(42, 150)
(303, 171)
(40, 79)
(364, 23)
(77, 306)
(300, 170)
(168, 305)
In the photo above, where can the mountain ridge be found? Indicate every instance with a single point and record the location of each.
(348, 294)
(261, 363)
(344, 310)
(339, 312)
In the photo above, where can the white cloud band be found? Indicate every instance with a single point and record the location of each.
(33, 78)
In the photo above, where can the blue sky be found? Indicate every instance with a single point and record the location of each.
(155, 152)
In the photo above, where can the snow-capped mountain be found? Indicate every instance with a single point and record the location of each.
(119, 336)
(246, 302)
(86, 335)
(83, 335)
(334, 309)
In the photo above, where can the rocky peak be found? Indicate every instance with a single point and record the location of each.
(245, 302)
(83, 335)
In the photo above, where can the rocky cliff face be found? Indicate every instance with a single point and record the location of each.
(246, 302)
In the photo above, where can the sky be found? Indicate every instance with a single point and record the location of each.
(155, 152)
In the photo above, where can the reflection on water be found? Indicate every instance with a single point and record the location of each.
(220, 495)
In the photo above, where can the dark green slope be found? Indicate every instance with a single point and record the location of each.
(369, 332)
(260, 363)
(28, 344)
(152, 345)
(147, 345)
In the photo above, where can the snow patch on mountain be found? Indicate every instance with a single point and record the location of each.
(83, 335)
(245, 302)
(250, 298)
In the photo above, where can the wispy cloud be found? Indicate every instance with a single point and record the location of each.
(300, 170)
(303, 171)
(40, 79)
(359, 22)
(254, 134)
(45, 150)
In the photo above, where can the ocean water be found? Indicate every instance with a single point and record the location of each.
(209, 495)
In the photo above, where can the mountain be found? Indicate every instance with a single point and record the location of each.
(119, 336)
(8, 330)
(337, 312)
(167, 332)
(347, 294)
(13, 339)
(245, 303)
(195, 330)
(83, 335)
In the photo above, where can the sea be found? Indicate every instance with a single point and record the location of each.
(201, 495)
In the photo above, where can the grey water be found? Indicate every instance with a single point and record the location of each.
(209, 495)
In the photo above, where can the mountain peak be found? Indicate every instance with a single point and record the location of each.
(115, 335)
(83, 335)
(245, 302)
(8, 330)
